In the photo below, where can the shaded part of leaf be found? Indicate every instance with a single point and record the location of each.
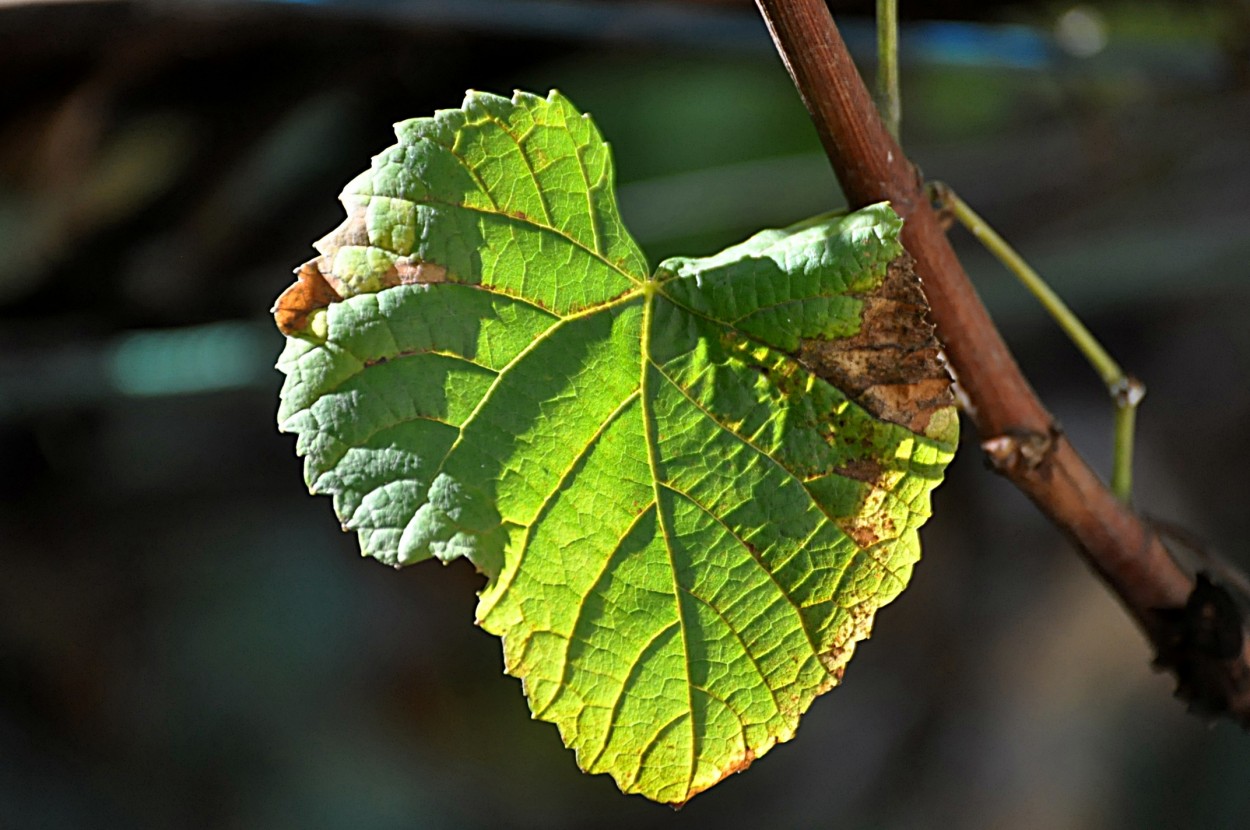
(457, 519)
(893, 366)
(378, 401)
(804, 281)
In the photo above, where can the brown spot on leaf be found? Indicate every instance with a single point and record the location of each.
(409, 271)
(867, 524)
(309, 292)
(317, 286)
(861, 469)
(892, 367)
(865, 534)
(857, 627)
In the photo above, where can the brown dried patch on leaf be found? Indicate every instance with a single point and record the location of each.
(310, 292)
(870, 521)
(858, 627)
(864, 534)
(869, 529)
(317, 286)
(892, 367)
(409, 271)
(354, 233)
(861, 469)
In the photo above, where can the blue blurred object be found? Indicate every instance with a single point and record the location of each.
(977, 44)
(209, 358)
(956, 43)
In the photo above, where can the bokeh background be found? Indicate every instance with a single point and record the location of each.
(188, 641)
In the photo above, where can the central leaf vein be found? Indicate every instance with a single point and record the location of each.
(653, 449)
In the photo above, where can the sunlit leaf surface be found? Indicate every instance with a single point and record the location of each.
(690, 488)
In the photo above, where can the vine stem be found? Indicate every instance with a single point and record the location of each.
(1126, 391)
(1021, 439)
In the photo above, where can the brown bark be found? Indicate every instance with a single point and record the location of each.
(1018, 434)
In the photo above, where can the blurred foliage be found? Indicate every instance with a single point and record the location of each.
(183, 644)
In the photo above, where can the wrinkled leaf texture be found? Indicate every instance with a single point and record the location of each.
(681, 547)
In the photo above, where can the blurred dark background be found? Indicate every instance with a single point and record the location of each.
(188, 641)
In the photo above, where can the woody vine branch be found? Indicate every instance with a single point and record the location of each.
(1019, 436)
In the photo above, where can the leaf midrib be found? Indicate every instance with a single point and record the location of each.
(650, 430)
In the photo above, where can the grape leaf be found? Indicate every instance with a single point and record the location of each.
(689, 489)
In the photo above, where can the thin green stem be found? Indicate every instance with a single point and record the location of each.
(1125, 390)
(1122, 461)
(887, 65)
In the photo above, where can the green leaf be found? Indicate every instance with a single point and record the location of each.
(690, 490)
